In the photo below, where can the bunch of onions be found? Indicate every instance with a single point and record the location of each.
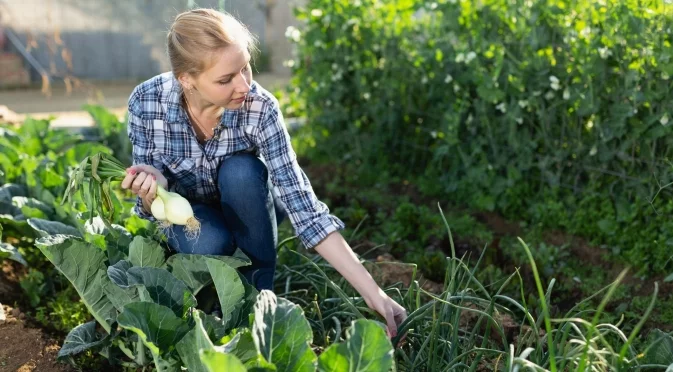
(101, 169)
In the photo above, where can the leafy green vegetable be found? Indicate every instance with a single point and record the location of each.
(84, 266)
(163, 288)
(157, 326)
(9, 251)
(230, 289)
(367, 349)
(81, 338)
(146, 252)
(192, 268)
(195, 341)
(221, 362)
(282, 334)
(46, 227)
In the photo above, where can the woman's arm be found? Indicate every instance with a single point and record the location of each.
(315, 227)
(147, 170)
(335, 250)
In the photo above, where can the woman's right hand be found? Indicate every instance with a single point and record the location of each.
(142, 180)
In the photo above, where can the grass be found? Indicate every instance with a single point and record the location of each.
(469, 325)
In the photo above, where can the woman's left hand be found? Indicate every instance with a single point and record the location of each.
(389, 309)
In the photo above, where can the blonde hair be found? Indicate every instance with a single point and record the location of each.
(196, 35)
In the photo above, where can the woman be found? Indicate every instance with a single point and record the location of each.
(209, 132)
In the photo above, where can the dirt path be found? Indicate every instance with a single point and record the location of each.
(23, 348)
(26, 349)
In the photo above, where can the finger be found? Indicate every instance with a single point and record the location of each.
(145, 187)
(145, 168)
(400, 314)
(130, 176)
(135, 187)
(152, 193)
(390, 319)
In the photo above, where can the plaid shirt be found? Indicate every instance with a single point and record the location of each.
(162, 136)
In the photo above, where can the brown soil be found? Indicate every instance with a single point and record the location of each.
(22, 347)
(26, 349)
(388, 271)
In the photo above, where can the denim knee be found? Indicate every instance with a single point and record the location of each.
(214, 237)
(243, 173)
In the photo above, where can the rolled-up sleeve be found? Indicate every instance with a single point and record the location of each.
(140, 135)
(310, 217)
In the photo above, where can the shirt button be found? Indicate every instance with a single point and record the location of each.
(210, 180)
(174, 165)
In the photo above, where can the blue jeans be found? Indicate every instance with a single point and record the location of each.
(246, 217)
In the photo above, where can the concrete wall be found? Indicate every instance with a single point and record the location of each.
(125, 39)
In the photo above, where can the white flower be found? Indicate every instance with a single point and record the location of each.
(604, 52)
(554, 82)
(424, 80)
(433, 6)
(337, 76)
(328, 102)
(470, 57)
(469, 119)
(448, 79)
(289, 63)
(501, 107)
(523, 104)
(664, 120)
(292, 33)
(335, 66)
(460, 58)
(664, 76)
(456, 88)
(519, 120)
(593, 151)
(537, 93)
(566, 94)
(366, 96)
(550, 95)
(376, 84)
(316, 13)
(590, 124)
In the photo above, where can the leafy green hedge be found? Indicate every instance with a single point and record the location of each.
(556, 111)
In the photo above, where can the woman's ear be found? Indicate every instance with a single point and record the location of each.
(186, 82)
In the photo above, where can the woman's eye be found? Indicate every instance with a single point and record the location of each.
(224, 82)
(246, 68)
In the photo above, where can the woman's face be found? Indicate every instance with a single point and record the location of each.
(227, 82)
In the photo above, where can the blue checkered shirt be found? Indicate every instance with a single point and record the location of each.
(162, 136)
